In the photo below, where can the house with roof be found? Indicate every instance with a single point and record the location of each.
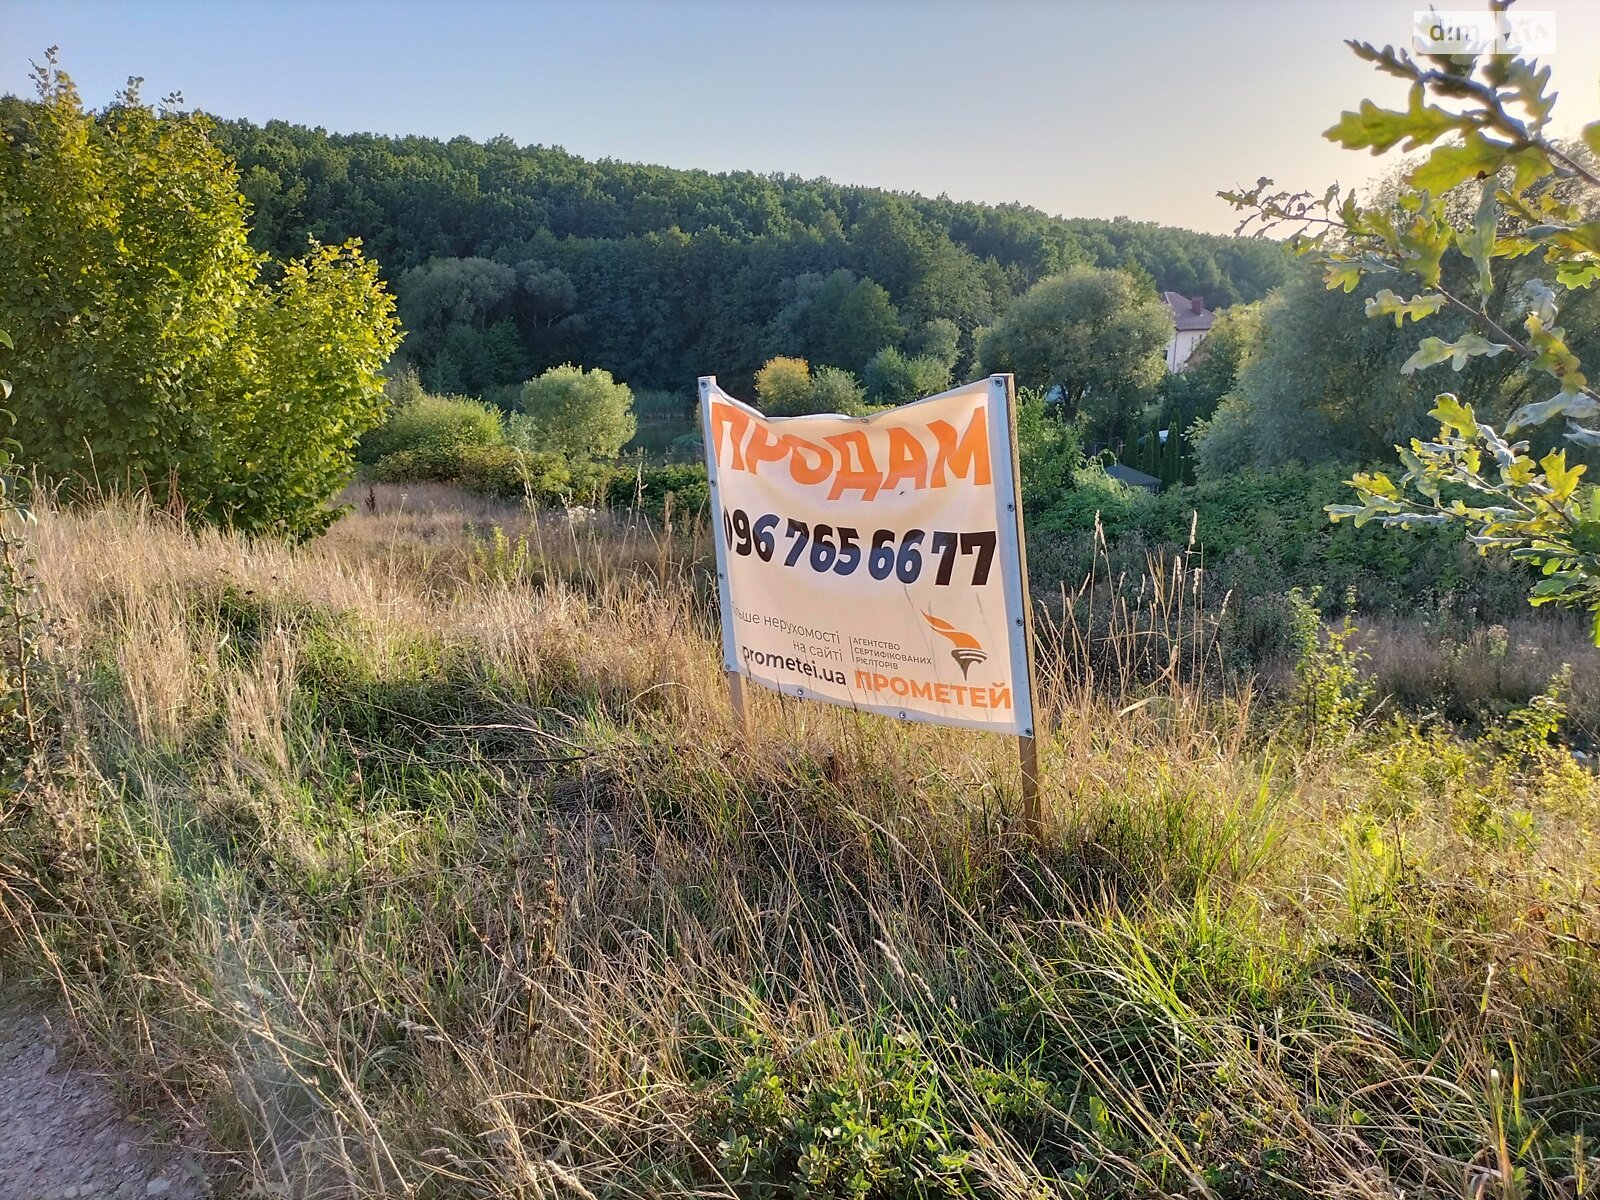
(1133, 477)
(1191, 320)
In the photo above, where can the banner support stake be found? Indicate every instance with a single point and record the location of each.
(736, 697)
(1027, 745)
(1028, 759)
(741, 714)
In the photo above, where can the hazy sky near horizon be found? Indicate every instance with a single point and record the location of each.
(1141, 108)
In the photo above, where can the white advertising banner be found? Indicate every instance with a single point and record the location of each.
(875, 562)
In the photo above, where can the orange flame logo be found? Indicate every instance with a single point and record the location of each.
(968, 650)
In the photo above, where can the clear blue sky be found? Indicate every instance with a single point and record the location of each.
(1141, 107)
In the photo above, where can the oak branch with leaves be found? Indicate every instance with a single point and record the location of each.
(1536, 197)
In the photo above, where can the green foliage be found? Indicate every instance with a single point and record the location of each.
(1161, 453)
(157, 351)
(1094, 334)
(1326, 384)
(1048, 453)
(661, 275)
(403, 386)
(660, 402)
(681, 488)
(1225, 442)
(1535, 197)
(1212, 371)
(786, 387)
(500, 560)
(783, 387)
(938, 339)
(456, 313)
(20, 628)
(1484, 786)
(800, 1126)
(549, 480)
(1537, 511)
(431, 422)
(1329, 695)
(1257, 536)
(893, 378)
(577, 412)
(505, 471)
(835, 390)
(847, 319)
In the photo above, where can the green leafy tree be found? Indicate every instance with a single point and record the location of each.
(938, 339)
(1092, 333)
(893, 378)
(783, 387)
(1323, 383)
(660, 275)
(157, 351)
(848, 320)
(835, 390)
(579, 413)
(1535, 197)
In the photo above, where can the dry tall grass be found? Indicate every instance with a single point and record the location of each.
(421, 862)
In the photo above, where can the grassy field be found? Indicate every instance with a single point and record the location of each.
(427, 860)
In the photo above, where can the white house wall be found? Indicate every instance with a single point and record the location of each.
(1181, 347)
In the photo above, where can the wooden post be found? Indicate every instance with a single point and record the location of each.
(736, 696)
(1032, 814)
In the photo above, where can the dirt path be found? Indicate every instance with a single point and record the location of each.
(62, 1133)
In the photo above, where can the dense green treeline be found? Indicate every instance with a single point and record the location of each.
(509, 259)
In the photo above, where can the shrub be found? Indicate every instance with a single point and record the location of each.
(431, 422)
(893, 378)
(1048, 451)
(1329, 695)
(688, 447)
(403, 388)
(1260, 535)
(231, 393)
(835, 390)
(569, 410)
(489, 470)
(647, 488)
(783, 387)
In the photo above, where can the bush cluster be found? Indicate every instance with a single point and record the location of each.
(467, 443)
(1260, 535)
(546, 478)
(433, 423)
(503, 471)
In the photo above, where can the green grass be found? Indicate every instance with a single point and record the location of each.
(401, 875)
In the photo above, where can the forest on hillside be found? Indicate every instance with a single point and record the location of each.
(510, 259)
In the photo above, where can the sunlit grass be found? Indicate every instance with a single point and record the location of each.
(410, 862)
